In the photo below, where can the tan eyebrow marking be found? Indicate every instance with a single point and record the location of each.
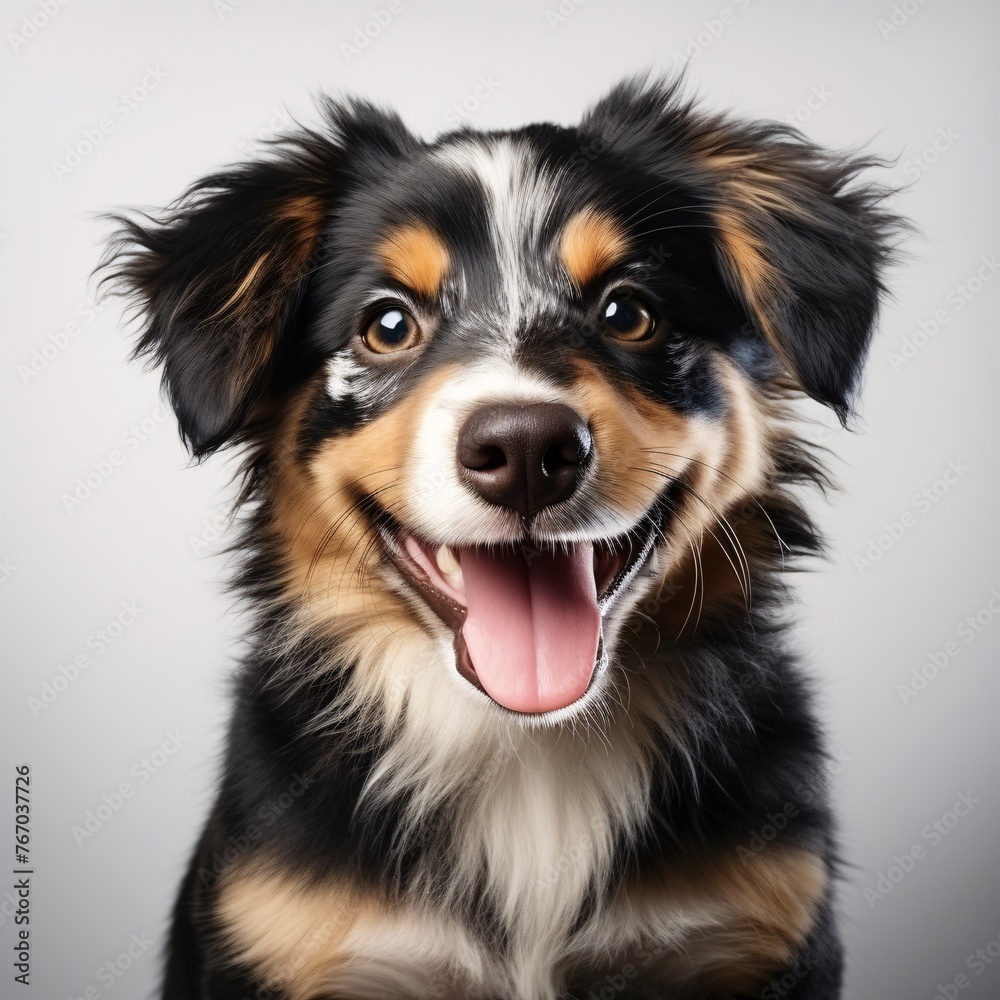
(591, 242)
(417, 256)
(244, 285)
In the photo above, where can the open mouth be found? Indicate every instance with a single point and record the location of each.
(527, 616)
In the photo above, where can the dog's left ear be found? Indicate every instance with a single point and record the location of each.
(800, 244)
(217, 278)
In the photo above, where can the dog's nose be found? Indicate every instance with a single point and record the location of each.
(524, 457)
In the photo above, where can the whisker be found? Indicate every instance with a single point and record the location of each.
(743, 572)
(686, 458)
(704, 207)
(368, 539)
(655, 187)
(668, 229)
(365, 582)
(696, 566)
(336, 524)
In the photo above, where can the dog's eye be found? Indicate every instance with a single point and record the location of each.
(627, 319)
(391, 331)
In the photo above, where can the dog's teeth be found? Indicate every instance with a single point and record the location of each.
(450, 568)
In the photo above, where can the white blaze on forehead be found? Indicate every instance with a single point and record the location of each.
(439, 506)
(520, 195)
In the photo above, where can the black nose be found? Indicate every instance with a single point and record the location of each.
(524, 457)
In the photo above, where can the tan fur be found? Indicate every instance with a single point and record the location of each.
(307, 210)
(331, 553)
(642, 444)
(626, 428)
(720, 526)
(416, 256)
(291, 933)
(306, 213)
(314, 939)
(736, 918)
(591, 242)
(747, 260)
(528, 807)
(745, 255)
(750, 189)
(244, 286)
(255, 309)
(748, 176)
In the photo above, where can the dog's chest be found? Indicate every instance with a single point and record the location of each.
(533, 851)
(335, 940)
(526, 853)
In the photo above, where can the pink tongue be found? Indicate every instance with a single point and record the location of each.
(532, 625)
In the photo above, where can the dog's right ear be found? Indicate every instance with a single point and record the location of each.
(217, 277)
(802, 240)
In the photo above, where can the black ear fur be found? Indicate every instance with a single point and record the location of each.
(798, 241)
(217, 277)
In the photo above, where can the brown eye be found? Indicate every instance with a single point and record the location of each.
(391, 331)
(627, 319)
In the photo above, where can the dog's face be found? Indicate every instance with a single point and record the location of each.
(499, 387)
(521, 357)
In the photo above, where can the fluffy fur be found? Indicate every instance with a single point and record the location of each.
(384, 827)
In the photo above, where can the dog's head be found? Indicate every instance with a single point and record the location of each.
(498, 387)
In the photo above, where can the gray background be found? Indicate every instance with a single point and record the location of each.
(224, 74)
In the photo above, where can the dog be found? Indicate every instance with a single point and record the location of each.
(517, 717)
